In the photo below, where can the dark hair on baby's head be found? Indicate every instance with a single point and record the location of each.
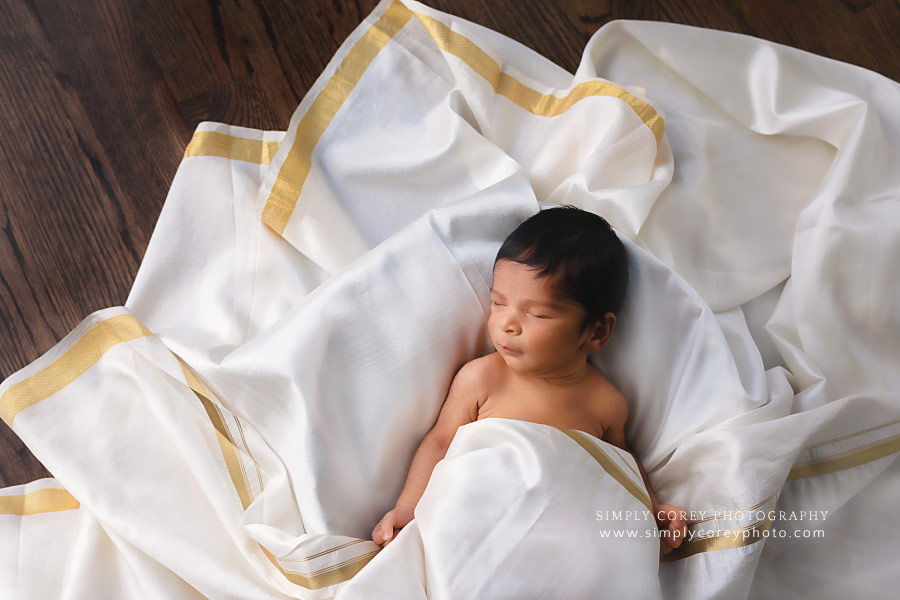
(580, 250)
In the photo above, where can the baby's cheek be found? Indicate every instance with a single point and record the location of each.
(541, 339)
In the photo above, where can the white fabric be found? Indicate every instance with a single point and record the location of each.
(511, 512)
(246, 444)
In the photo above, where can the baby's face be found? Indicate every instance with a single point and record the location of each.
(535, 332)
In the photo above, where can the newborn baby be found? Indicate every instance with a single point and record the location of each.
(559, 281)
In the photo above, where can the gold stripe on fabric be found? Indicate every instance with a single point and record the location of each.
(846, 460)
(324, 577)
(734, 512)
(213, 143)
(292, 175)
(633, 470)
(609, 466)
(544, 105)
(229, 452)
(831, 464)
(340, 569)
(240, 429)
(76, 360)
(322, 553)
(854, 434)
(724, 540)
(226, 443)
(37, 502)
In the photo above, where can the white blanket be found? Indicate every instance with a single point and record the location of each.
(241, 424)
(523, 510)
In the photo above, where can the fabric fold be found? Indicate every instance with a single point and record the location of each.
(519, 509)
(238, 427)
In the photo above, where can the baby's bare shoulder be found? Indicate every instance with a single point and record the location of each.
(475, 378)
(609, 404)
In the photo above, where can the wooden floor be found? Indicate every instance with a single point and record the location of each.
(98, 100)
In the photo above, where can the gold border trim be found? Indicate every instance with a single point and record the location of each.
(322, 553)
(83, 354)
(609, 466)
(292, 174)
(724, 540)
(846, 460)
(38, 502)
(328, 576)
(854, 434)
(324, 577)
(733, 512)
(226, 442)
(531, 100)
(222, 145)
(831, 464)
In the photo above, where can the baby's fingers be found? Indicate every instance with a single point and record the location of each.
(667, 544)
(677, 532)
(382, 532)
(387, 533)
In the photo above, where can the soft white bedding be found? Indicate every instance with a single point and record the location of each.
(240, 425)
(523, 510)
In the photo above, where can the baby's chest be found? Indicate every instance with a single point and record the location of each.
(561, 413)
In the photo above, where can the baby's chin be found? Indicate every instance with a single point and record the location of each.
(512, 361)
(505, 354)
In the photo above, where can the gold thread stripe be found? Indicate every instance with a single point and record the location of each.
(609, 466)
(37, 502)
(322, 553)
(724, 540)
(229, 452)
(831, 464)
(846, 460)
(213, 143)
(75, 361)
(350, 562)
(632, 469)
(240, 429)
(850, 435)
(734, 512)
(544, 105)
(231, 440)
(323, 579)
(292, 175)
(223, 436)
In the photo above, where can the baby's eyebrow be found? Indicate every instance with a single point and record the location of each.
(552, 305)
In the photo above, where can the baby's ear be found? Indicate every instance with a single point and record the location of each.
(603, 330)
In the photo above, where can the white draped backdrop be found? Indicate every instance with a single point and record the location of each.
(239, 426)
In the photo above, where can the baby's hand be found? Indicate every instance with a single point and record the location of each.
(673, 521)
(393, 521)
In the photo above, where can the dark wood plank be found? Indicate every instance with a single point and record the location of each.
(100, 97)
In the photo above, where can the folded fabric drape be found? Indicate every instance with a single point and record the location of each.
(505, 515)
(238, 427)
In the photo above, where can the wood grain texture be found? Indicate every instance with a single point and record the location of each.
(99, 99)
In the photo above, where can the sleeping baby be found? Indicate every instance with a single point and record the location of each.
(559, 281)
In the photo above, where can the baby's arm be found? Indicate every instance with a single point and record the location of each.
(669, 517)
(460, 407)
